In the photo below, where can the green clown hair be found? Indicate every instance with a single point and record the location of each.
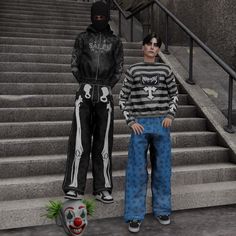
(53, 209)
(90, 206)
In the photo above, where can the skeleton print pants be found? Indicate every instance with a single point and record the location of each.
(91, 135)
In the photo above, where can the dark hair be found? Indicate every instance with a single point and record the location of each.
(149, 37)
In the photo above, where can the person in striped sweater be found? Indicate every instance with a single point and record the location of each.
(148, 100)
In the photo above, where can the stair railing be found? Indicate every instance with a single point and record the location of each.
(192, 38)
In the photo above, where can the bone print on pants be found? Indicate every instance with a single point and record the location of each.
(91, 135)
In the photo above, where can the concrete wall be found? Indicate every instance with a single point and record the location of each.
(213, 21)
(220, 19)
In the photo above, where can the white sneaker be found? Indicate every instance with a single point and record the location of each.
(105, 197)
(73, 195)
(164, 220)
(134, 226)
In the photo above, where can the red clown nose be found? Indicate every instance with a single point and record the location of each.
(78, 222)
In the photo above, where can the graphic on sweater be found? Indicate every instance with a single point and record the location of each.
(146, 80)
(150, 90)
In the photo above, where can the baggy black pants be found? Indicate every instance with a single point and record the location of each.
(91, 135)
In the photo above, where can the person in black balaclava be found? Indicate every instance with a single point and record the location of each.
(97, 64)
(99, 16)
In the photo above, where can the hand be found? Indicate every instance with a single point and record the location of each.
(137, 128)
(166, 123)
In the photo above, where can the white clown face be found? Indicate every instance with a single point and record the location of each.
(75, 217)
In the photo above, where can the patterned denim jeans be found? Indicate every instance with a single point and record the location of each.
(157, 138)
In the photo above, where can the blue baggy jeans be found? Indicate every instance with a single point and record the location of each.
(137, 174)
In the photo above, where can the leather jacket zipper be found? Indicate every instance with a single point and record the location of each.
(100, 39)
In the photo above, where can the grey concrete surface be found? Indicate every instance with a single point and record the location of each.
(213, 21)
(208, 109)
(208, 75)
(216, 221)
(126, 26)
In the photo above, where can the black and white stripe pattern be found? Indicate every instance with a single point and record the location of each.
(149, 89)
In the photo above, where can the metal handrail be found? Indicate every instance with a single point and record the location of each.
(192, 38)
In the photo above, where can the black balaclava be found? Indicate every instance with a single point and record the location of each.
(100, 9)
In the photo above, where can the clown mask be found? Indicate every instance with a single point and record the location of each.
(74, 217)
(71, 214)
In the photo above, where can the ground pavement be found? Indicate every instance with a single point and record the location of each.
(215, 221)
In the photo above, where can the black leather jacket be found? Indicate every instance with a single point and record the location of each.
(97, 57)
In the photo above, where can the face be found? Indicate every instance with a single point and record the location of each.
(75, 217)
(99, 18)
(99, 22)
(150, 50)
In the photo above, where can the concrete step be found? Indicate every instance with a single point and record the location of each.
(36, 77)
(56, 3)
(44, 34)
(30, 78)
(33, 67)
(44, 19)
(42, 31)
(36, 41)
(39, 9)
(65, 113)
(66, 14)
(46, 11)
(25, 89)
(45, 16)
(35, 83)
(22, 213)
(48, 8)
(47, 5)
(49, 25)
(35, 49)
(10, 18)
(53, 42)
(50, 185)
(56, 100)
(24, 49)
(19, 166)
(58, 145)
(39, 35)
(62, 128)
(51, 58)
(36, 58)
(37, 67)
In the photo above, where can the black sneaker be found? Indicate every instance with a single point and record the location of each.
(73, 195)
(134, 226)
(105, 197)
(164, 220)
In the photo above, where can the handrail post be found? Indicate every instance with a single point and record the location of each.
(132, 29)
(119, 24)
(190, 78)
(166, 51)
(229, 127)
(152, 17)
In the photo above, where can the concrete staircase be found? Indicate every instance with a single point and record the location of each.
(37, 93)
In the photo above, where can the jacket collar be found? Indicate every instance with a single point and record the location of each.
(93, 30)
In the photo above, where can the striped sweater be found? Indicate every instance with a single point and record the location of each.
(149, 90)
